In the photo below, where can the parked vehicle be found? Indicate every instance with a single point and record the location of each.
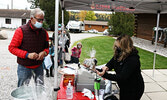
(105, 32)
(76, 26)
(93, 31)
(162, 35)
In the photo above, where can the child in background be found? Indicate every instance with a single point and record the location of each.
(51, 53)
(76, 52)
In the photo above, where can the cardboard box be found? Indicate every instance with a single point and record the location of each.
(67, 78)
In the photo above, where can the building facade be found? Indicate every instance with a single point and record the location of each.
(98, 25)
(145, 23)
(13, 18)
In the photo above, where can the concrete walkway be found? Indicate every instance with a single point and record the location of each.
(155, 87)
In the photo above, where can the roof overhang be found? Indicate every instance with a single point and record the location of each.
(136, 6)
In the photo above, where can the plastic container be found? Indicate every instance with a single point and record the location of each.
(69, 91)
(29, 93)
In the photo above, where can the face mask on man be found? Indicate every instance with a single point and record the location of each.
(38, 24)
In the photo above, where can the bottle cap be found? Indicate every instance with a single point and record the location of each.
(69, 83)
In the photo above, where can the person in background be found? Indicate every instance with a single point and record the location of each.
(67, 34)
(62, 39)
(63, 44)
(30, 45)
(59, 32)
(76, 52)
(126, 64)
(51, 53)
(67, 44)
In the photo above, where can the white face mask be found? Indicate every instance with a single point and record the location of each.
(50, 43)
(79, 46)
(38, 24)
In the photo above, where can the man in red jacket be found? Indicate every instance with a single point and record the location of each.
(30, 45)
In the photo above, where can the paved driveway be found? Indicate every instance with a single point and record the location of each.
(8, 68)
(8, 65)
(156, 88)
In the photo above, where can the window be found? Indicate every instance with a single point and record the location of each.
(103, 26)
(89, 26)
(23, 21)
(8, 21)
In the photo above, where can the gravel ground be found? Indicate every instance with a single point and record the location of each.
(146, 45)
(8, 65)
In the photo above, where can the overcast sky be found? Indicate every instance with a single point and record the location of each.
(17, 4)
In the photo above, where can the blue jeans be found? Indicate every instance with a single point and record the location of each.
(24, 75)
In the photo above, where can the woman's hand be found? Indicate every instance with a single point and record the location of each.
(104, 69)
(100, 73)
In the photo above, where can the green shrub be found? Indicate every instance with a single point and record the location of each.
(122, 23)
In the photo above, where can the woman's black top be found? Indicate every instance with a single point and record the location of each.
(128, 76)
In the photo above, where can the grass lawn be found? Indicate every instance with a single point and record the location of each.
(104, 52)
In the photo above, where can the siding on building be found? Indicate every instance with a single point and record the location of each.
(100, 28)
(146, 22)
(15, 16)
(98, 25)
(15, 22)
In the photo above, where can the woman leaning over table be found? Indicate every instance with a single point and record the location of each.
(126, 64)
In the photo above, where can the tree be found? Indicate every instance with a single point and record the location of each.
(34, 3)
(66, 17)
(76, 16)
(122, 23)
(48, 6)
(90, 16)
(82, 15)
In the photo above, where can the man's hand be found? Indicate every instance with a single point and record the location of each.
(41, 56)
(33, 55)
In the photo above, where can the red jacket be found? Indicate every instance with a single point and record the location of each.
(76, 52)
(16, 42)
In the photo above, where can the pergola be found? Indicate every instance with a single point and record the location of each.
(135, 6)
